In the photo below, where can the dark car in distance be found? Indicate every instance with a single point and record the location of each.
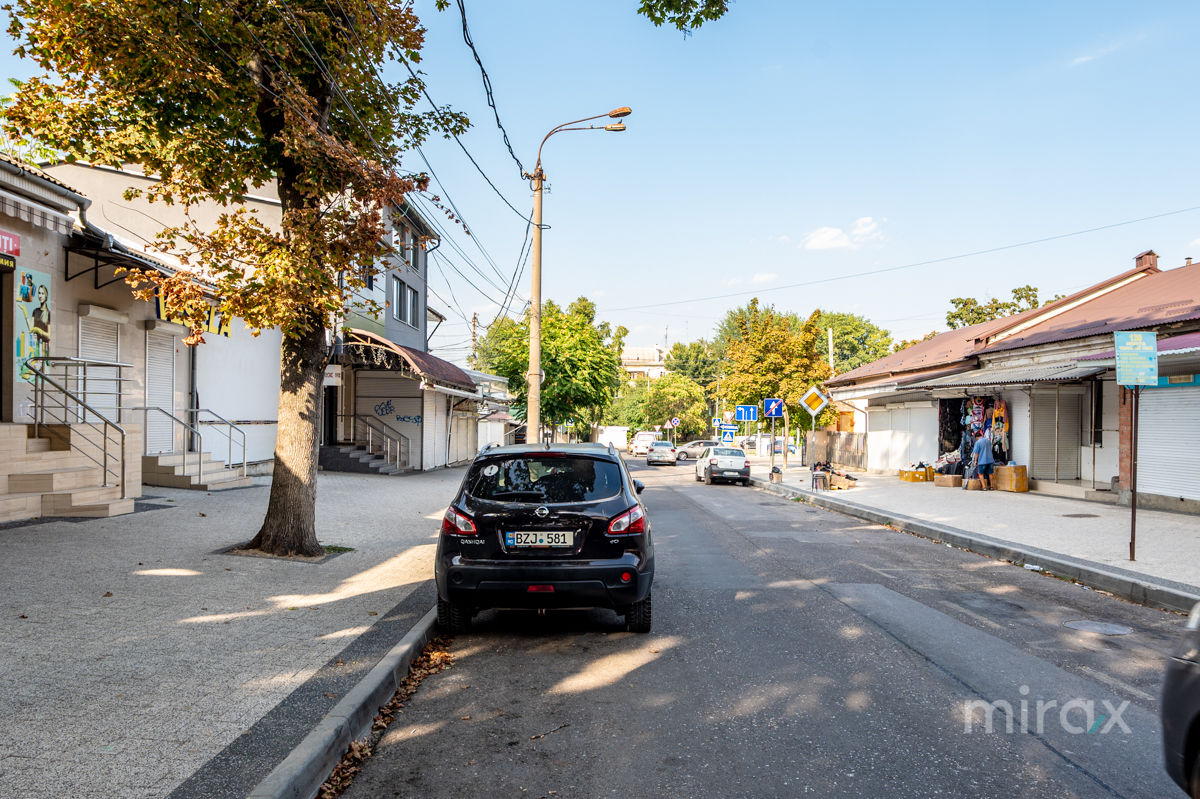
(1181, 710)
(545, 526)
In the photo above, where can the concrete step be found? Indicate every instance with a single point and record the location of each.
(177, 458)
(37, 445)
(16, 507)
(214, 480)
(49, 480)
(103, 510)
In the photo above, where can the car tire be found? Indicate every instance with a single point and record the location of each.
(746, 482)
(452, 617)
(708, 477)
(681, 457)
(698, 478)
(1194, 790)
(639, 616)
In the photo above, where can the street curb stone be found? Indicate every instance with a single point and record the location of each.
(301, 773)
(1122, 583)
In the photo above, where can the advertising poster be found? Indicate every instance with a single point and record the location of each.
(31, 323)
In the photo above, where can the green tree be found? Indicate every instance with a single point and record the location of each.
(23, 148)
(581, 359)
(772, 359)
(694, 360)
(967, 311)
(217, 98)
(683, 14)
(904, 344)
(676, 396)
(855, 340)
(732, 326)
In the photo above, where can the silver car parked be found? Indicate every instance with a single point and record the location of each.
(694, 449)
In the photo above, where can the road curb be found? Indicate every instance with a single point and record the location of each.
(1122, 583)
(301, 773)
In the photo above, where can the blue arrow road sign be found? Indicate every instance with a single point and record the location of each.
(727, 437)
(747, 413)
(731, 428)
(773, 408)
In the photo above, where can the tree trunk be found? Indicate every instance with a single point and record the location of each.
(290, 524)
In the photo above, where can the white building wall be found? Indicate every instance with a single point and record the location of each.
(238, 378)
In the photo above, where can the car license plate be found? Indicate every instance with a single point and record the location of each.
(539, 538)
(731, 474)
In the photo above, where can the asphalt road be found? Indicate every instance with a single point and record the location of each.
(795, 652)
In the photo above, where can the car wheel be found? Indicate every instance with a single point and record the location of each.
(638, 617)
(681, 457)
(453, 618)
(1195, 789)
(707, 477)
(698, 478)
(746, 482)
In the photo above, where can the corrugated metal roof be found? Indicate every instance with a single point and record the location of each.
(1000, 376)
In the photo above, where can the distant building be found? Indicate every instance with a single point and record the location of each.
(644, 362)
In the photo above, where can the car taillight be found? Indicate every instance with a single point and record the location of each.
(712, 461)
(454, 523)
(630, 522)
(746, 465)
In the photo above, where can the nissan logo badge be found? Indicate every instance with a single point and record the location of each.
(542, 512)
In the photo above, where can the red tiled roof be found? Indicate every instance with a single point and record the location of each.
(1159, 298)
(955, 346)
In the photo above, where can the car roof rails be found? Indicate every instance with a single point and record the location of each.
(611, 449)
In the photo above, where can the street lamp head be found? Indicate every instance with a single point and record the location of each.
(617, 113)
(616, 127)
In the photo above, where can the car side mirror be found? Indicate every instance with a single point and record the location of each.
(638, 485)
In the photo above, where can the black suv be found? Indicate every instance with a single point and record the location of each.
(545, 526)
(1181, 710)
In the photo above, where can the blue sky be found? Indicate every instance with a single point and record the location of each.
(794, 142)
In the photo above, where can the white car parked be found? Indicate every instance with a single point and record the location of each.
(661, 452)
(723, 463)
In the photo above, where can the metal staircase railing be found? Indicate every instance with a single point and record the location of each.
(229, 432)
(176, 421)
(378, 439)
(56, 404)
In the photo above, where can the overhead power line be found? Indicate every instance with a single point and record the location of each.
(487, 86)
(913, 265)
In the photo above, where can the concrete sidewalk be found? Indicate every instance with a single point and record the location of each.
(141, 661)
(1085, 540)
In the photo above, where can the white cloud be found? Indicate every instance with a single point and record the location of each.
(826, 238)
(1194, 243)
(866, 229)
(786, 239)
(1107, 50)
(763, 277)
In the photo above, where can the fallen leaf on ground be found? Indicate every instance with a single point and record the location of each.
(108, 593)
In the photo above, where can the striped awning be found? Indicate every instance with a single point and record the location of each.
(34, 213)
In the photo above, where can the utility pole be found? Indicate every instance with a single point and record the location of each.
(831, 349)
(533, 414)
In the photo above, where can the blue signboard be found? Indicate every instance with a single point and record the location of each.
(1137, 358)
(747, 413)
(773, 408)
(733, 428)
(727, 437)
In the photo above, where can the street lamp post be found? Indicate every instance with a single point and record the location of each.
(533, 415)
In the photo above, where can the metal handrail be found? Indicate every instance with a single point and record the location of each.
(80, 376)
(391, 439)
(145, 409)
(40, 398)
(194, 413)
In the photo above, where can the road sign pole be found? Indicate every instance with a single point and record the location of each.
(772, 445)
(1137, 395)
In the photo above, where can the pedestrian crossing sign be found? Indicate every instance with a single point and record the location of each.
(727, 437)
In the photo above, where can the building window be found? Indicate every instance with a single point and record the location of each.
(406, 303)
(414, 304)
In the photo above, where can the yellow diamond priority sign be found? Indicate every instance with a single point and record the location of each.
(814, 401)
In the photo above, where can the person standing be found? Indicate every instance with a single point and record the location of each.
(981, 454)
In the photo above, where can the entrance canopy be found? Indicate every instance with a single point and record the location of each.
(367, 350)
(1009, 377)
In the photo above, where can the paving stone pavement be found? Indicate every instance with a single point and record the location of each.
(135, 651)
(1168, 543)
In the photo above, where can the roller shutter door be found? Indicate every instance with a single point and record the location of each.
(1055, 436)
(160, 392)
(1168, 442)
(99, 340)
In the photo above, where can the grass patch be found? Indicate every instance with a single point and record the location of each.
(334, 549)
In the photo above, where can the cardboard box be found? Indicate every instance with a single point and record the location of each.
(974, 484)
(948, 480)
(836, 481)
(914, 475)
(1010, 478)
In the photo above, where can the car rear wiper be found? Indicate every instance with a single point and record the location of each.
(534, 494)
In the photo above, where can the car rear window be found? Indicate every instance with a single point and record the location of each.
(535, 478)
(729, 452)
(661, 444)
